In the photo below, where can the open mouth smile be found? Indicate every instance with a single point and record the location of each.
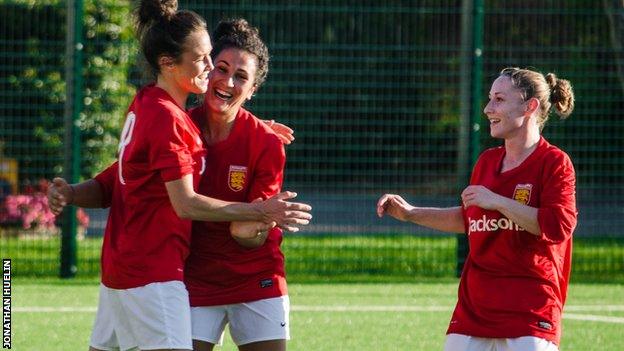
(223, 95)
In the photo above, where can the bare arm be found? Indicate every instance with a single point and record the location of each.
(447, 219)
(523, 215)
(191, 205)
(87, 194)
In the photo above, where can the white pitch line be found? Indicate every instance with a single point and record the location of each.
(301, 308)
(343, 308)
(34, 309)
(593, 318)
(355, 308)
(610, 308)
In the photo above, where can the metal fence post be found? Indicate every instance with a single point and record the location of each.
(73, 107)
(471, 75)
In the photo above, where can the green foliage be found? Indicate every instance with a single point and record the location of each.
(341, 258)
(33, 121)
(110, 53)
(32, 86)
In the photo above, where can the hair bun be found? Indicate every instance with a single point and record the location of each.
(234, 28)
(551, 80)
(155, 10)
(561, 95)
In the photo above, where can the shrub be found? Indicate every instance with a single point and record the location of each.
(30, 211)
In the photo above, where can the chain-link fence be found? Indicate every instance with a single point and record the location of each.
(384, 97)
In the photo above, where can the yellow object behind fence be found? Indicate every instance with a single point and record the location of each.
(8, 172)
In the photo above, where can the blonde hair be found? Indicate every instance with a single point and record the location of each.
(549, 90)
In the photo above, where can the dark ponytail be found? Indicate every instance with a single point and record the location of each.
(163, 30)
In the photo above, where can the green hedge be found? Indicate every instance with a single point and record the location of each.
(338, 258)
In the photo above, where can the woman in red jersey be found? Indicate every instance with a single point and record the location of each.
(235, 281)
(151, 191)
(519, 212)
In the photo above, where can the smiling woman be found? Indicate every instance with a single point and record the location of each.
(513, 93)
(519, 213)
(190, 72)
(232, 82)
(246, 160)
(151, 192)
(241, 66)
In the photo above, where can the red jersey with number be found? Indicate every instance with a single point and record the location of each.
(514, 283)
(145, 241)
(246, 166)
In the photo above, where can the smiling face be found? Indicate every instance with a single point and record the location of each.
(506, 109)
(232, 82)
(191, 71)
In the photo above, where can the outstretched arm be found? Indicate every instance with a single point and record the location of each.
(87, 194)
(191, 205)
(447, 219)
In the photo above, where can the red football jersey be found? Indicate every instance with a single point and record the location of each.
(248, 165)
(145, 241)
(514, 283)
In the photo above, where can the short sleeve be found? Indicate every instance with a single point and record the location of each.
(170, 144)
(269, 170)
(107, 179)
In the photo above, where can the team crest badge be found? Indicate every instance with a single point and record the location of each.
(522, 194)
(237, 177)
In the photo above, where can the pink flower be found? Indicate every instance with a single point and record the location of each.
(32, 210)
(83, 218)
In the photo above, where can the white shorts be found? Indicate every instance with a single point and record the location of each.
(154, 316)
(253, 321)
(459, 342)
